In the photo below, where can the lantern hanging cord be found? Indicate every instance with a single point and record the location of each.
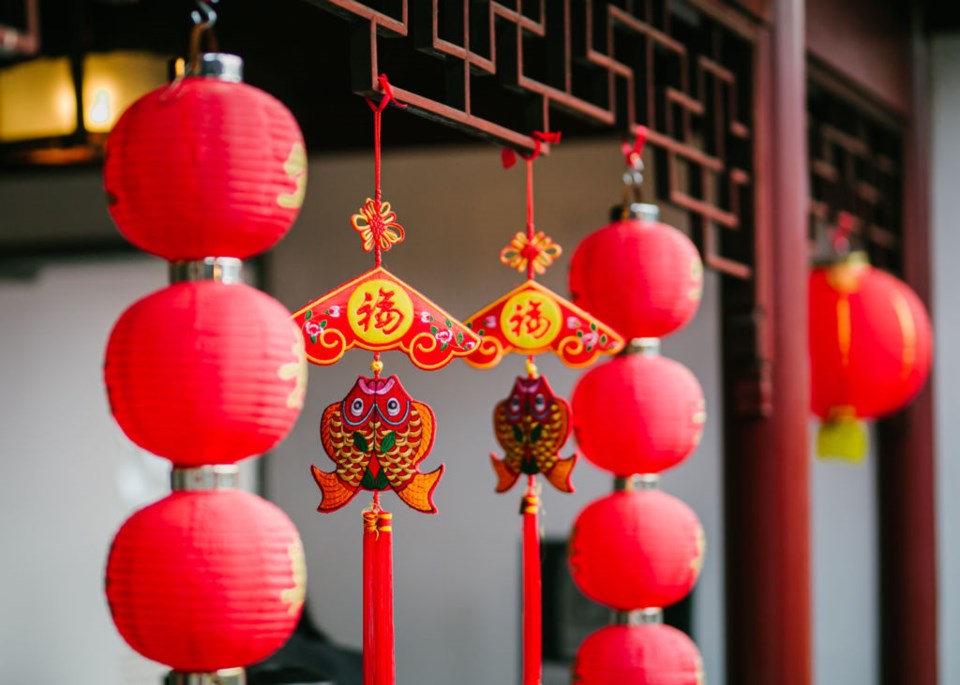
(378, 108)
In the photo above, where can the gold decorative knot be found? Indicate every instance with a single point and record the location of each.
(377, 225)
(540, 251)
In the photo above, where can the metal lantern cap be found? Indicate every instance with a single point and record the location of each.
(211, 477)
(644, 211)
(226, 270)
(225, 676)
(639, 617)
(218, 65)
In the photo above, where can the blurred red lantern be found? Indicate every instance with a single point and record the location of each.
(652, 654)
(636, 550)
(638, 414)
(641, 277)
(870, 349)
(205, 167)
(206, 580)
(206, 373)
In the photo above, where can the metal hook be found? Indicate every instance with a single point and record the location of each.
(633, 182)
(204, 20)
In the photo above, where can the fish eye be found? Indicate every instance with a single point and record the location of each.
(514, 404)
(356, 407)
(393, 406)
(539, 402)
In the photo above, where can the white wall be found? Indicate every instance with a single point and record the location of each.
(457, 573)
(69, 475)
(946, 372)
(845, 569)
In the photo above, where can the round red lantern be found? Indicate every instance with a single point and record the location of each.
(638, 413)
(636, 550)
(206, 166)
(638, 275)
(653, 654)
(206, 580)
(870, 348)
(205, 372)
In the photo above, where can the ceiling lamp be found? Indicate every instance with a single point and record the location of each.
(58, 110)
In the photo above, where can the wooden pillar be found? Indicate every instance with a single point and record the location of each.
(766, 455)
(906, 465)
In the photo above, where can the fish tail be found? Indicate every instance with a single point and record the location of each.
(334, 493)
(418, 492)
(559, 476)
(505, 477)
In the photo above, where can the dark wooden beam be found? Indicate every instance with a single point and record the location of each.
(906, 464)
(766, 457)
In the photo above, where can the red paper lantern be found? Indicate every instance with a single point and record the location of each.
(870, 341)
(640, 276)
(652, 654)
(638, 414)
(205, 168)
(206, 373)
(636, 550)
(206, 580)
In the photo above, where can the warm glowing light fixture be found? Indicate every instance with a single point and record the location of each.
(56, 111)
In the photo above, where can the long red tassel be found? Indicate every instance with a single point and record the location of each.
(370, 517)
(379, 663)
(383, 603)
(532, 628)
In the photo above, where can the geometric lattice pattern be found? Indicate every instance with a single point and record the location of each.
(856, 166)
(504, 68)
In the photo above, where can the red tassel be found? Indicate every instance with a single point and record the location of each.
(369, 618)
(379, 664)
(532, 628)
(383, 603)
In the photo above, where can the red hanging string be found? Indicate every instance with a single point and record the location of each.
(378, 108)
(530, 214)
(532, 590)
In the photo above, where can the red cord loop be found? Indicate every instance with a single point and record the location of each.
(387, 97)
(841, 235)
(633, 152)
(509, 155)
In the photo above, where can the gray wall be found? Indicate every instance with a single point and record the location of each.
(457, 573)
(845, 571)
(946, 372)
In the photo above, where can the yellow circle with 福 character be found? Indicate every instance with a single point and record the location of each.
(530, 320)
(380, 312)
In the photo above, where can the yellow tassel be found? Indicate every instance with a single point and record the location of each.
(844, 437)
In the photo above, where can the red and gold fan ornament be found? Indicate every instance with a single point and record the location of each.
(206, 580)
(651, 654)
(532, 424)
(377, 436)
(870, 350)
(206, 166)
(206, 372)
